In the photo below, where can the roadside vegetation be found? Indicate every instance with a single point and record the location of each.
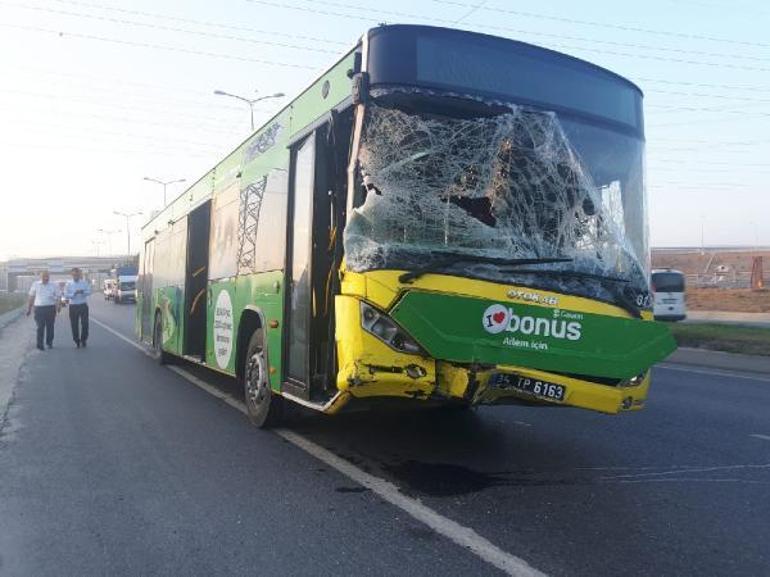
(733, 300)
(10, 301)
(722, 337)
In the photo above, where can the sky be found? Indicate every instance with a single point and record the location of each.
(96, 95)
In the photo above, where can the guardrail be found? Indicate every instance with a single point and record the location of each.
(730, 279)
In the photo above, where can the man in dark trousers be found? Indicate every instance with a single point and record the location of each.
(44, 297)
(77, 292)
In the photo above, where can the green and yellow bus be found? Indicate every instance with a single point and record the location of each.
(442, 218)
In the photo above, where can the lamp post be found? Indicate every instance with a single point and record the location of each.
(164, 184)
(108, 234)
(250, 101)
(128, 216)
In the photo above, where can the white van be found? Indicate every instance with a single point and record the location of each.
(668, 288)
(125, 289)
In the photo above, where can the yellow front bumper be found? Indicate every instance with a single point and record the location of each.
(369, 368)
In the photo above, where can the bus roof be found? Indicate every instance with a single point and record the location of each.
(509, 43)
(455, 62)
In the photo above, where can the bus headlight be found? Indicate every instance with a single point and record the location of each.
(382, 326)
(634, 381)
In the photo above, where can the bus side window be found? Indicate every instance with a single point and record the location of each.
(262, 223)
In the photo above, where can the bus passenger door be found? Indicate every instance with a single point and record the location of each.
(298, 268)
(196, 281)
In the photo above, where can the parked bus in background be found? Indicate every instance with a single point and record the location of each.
(443, 217)
(668, 288)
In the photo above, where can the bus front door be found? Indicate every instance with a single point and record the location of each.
(299, 249)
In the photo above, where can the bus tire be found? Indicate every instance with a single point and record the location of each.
(263, 407)
(161, 356)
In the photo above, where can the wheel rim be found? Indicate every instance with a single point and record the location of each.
(256, 380)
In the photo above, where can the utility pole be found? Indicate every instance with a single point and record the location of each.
(108, 234)
(163, 183)
(128, 216)
(250, 101)
(702, 226)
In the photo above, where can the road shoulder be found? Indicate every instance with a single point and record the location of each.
(720, 360)
(16, 340)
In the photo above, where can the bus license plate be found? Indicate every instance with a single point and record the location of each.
(536, 387)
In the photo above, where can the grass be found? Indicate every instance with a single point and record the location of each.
(722, 337)
(10, 301)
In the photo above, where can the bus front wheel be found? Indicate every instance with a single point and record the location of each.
(264, 408)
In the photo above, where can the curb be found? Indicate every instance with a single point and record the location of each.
(10, 316)
(728, 318)
(720, 360)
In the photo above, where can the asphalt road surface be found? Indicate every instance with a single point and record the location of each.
(113, 465)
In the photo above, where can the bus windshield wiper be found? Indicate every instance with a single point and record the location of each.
(449, 259)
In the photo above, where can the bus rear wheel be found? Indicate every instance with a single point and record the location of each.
(263, 407)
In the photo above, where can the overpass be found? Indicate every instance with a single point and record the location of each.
(16, 274)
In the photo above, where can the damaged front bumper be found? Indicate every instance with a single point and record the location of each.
(370, 369)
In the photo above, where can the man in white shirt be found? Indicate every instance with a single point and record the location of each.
(77, 292)
(44, 296)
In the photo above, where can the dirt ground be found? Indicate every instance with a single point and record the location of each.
(734, 300)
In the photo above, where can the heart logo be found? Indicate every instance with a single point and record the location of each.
(495, 319)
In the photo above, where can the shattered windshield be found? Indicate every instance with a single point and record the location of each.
(522, 184)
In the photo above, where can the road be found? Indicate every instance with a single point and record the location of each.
(113, 465)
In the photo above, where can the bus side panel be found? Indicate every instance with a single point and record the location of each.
(327, 92)
(221, 321)
(264, 291)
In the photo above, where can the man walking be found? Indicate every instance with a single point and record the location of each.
(77, 292)
(44, 297)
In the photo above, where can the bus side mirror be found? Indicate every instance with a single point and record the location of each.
(360, 88)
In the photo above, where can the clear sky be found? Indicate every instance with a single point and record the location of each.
(97, 94)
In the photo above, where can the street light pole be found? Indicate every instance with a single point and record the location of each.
(250, 101)
(128, 216)
(108, 234)
(163, 183)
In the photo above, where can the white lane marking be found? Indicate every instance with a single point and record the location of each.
(131, 342)
(463, 536)
(699, 470)
(387, 491)
(200, 383)
(711, 373)
(758, 436)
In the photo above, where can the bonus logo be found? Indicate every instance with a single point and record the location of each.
(495, 319)
(498, 318)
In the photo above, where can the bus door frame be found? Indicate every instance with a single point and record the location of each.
(198, 228)
(146, 285)
(297, 385)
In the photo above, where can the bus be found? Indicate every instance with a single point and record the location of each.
(668, 290)
(443, 218)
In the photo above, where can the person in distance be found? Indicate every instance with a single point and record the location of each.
(77, 292)
(44, 298)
